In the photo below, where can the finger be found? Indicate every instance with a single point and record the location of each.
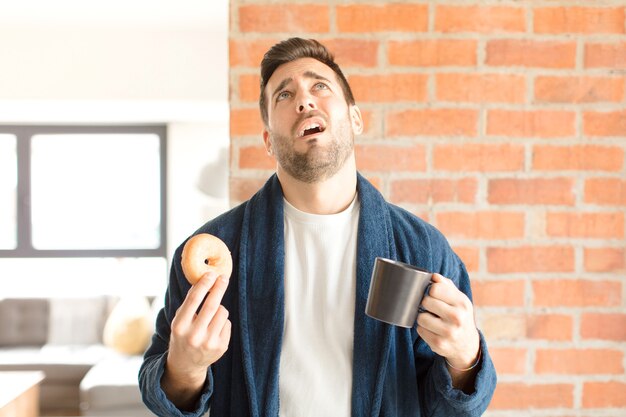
(194, 297)
(224, 337)
(212, 303)
(433, 340)
(443, 280)
(217, 323)
(426, 334)
(437, 277)
(437, 307)
(226, 330)
(444, 289)
(431, 322)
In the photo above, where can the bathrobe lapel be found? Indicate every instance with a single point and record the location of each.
(262, 296)
(372, 338)
(262, 299)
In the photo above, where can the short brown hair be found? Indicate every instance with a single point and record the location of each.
(290, 50)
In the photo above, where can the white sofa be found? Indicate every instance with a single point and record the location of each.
(63, 338)
(110, 389)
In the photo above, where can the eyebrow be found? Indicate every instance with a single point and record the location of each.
(307, 74)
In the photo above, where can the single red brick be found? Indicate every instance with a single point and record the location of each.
(587, 225)
(541, 191)
(605, 259)
(478, 157)
(535, 123)
(433, 53)
(577, 158)
(520, 396)
(550, 327)
(249, 87)
(353, 52)
(530, 259)
(389, 87)
(605, 123)
(578, 89)
(482, 19)
(470, 257)
(499, 293)
(286, 17)
(433, 122)
(578, 361)
(588, 20)
(605, 55)
(603, 326)
(248, 52)
(388, 17)
(605, 191)
(531, 53)
(428, 191)
(509, 361)
(480, 88)
(482, 224)
(576, 293)
(503, 326)
(255, 157)
(245, 122)
(604, 394)
(391, 158)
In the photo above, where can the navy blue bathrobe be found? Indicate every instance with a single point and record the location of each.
(395, 373)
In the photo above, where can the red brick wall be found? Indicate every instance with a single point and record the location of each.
(503, 123)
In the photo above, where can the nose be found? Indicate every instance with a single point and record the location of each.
(305, 103)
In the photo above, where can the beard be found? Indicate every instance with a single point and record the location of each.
(318, 162)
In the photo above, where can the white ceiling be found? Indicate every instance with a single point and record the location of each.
(115, 60)
(189, 14)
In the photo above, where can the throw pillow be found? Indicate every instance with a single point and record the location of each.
(129, 326)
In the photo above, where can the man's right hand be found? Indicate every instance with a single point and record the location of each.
(197, 340)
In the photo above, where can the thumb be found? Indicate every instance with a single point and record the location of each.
(438, 277)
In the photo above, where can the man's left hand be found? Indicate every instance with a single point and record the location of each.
(448, 326)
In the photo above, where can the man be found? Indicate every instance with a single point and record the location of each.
(287, 335)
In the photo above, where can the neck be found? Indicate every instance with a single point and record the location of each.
(330, 196)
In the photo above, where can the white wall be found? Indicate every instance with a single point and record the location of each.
(198, 177)
(112, 64)
(115, 68)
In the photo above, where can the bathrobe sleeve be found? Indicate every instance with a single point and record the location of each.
(441, 399)
(153, 366)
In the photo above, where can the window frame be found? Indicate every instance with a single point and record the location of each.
(24, 135)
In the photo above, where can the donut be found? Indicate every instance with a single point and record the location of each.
(203, 253)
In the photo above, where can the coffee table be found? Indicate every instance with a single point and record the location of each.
(19, 393)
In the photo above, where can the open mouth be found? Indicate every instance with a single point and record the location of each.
(311, 128)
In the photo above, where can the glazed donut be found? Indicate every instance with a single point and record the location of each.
(203, 253)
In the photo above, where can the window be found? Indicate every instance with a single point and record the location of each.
(82, 209)
(8, 192)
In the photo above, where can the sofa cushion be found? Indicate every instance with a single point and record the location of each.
(23, 322)
(77, 321)
(112, 385)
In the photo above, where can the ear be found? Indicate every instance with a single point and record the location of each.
(267, 142)
(356, 119)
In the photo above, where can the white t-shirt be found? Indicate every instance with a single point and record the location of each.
(315, 376)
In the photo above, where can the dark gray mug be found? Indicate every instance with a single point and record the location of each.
(396, 292)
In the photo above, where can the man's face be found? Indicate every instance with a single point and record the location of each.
(310, 126)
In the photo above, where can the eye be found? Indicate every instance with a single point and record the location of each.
(320, 86)
(283, 95)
